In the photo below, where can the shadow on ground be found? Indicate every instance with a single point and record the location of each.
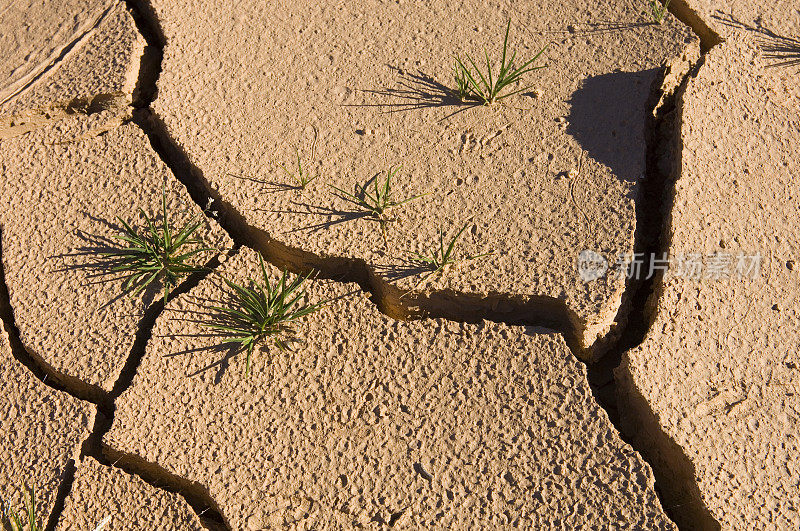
(777, 49)
(607, 118)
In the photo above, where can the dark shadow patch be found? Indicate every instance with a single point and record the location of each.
(675, 481)
(269, 186)
(404, 268)
(607, 116)
(600, 27)
(334, 216)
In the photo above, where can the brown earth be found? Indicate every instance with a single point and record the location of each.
(371, 420)
(718, 371)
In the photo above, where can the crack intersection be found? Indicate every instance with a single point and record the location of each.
(636, 314)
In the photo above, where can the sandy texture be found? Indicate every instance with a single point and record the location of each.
(41, 430)
(536, 180)
(373, 421)
(719, 367)
(781, 17)
(64, 185)
(101, 491)
(65, 50)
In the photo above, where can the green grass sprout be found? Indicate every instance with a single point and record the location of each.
(157, 253)
(462, 84)
(13, 521)
(442, 256)
(302, 178)
(377, 202)
(260, 311)
(658, 10)
(484, 87)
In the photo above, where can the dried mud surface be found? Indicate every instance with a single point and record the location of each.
(369, 420)
(376, 87)
(636, 138)
(718, 369)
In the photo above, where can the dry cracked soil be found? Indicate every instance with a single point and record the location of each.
(610, 341)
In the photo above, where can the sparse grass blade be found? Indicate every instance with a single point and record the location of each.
(302, 178)
(155, 253)
(472, 84)
(441, 256)
(260, 311)
(658, 10)
(376, 205)
(12, 520)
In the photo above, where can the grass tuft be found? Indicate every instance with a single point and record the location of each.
(11, 520)
(261, 311)
(473, 84)
(659, 10)
(302, 178)
(441, 256)
(156, 254)
(378, 201)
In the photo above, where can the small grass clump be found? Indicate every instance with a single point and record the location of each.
(260, 311)
(302, 178)
(156, 253)
(377, 202)
(472, 84)
(12, 520)
(441, 256)
(659, 10)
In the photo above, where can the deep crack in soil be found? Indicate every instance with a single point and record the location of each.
(653, 215)
(197, 497)
(653, 210)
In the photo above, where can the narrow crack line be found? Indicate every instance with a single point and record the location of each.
(42, 370)
(195, 494)
(146, 22)
(94, 446)
(64, 487)
(58, 57)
